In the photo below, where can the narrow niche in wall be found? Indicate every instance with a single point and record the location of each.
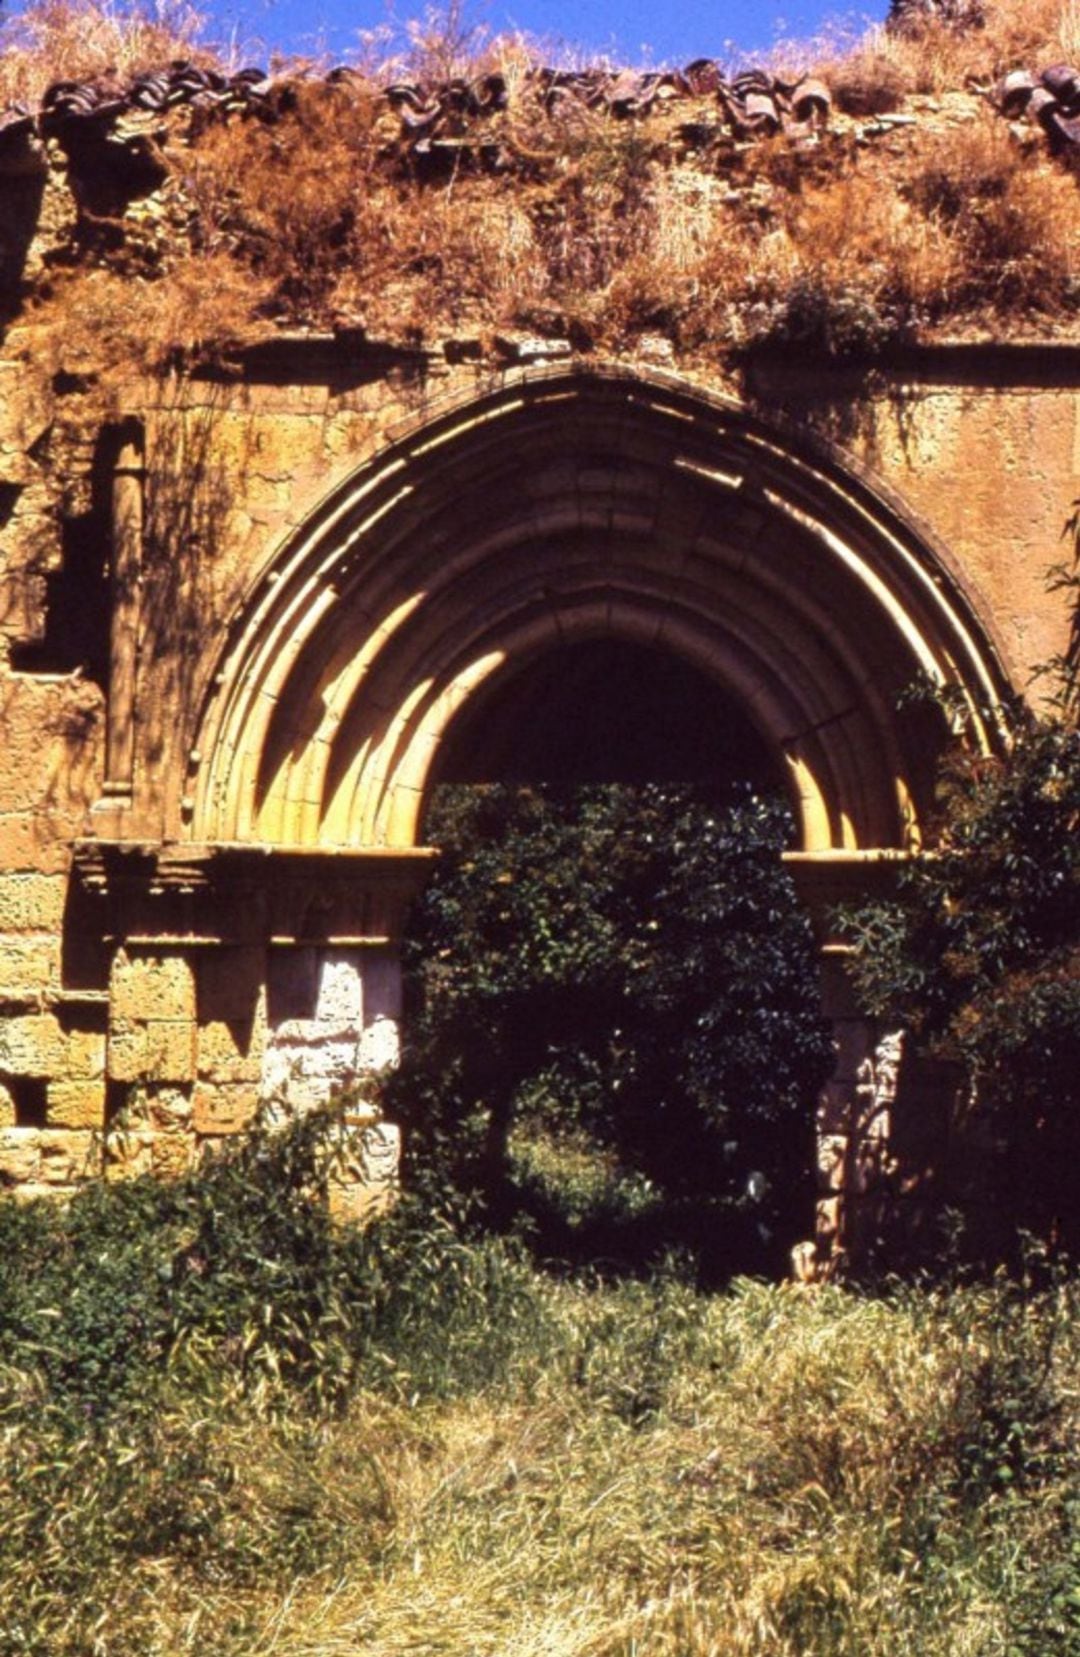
(75, 629)
(25, 1100)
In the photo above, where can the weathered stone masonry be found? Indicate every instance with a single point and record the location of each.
(242, 615)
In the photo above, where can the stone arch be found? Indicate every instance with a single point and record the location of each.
(557, 509)
(572, 505)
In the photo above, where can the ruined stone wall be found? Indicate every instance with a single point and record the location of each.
(152, 989)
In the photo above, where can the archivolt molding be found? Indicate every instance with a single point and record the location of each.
(563, 507)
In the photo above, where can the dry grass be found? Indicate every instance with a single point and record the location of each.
(769, 1474)
(567, 220)
(228, 1426)
(935, 57)
(51, 40)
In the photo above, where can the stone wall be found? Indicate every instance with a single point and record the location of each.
(154, 989)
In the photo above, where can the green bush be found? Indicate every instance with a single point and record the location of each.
(626, 968)
(979, 955)
(170, 1353)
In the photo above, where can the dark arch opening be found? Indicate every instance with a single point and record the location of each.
(609, 711)
(607, 1167)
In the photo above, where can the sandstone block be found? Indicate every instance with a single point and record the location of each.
(365, 1182)
(33, 1193)
(167, 1109)
(20, 1155)
(31, 1044)
(152, 987)
(31, 902)
(76, 1104)
(7, 1107)
(340, 991)
(128, 1153)
(380, 1045)
(84, 1058)
(831, 1155)
(170, 1051)
(229, 1052)
(307, 1074)
(67, 1156)
(171, 1154)
(828, 1218)
(223, 1109)
(29, 964)
(357, 1204)
(127, 1050)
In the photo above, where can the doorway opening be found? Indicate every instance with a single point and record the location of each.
(614, 1035)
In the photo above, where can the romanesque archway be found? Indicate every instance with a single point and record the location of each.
(563, 509)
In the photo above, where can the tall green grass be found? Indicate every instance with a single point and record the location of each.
(227, 1425)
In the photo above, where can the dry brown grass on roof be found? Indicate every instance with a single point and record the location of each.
(609, 227)
(562, 219)
(879, 68)
(52, 40)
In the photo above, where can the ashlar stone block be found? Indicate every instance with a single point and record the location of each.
(128, 1053)
(31, 1044)
(168, 1110)
(20, 1155)
(129, 1153)
(223, 1109)
(31, 902)
(152, 987)
(366, 1180)
(170, 1051)
(230, 1052)
(84, 1057)
(76, 1104)
(832, 1150)
(67, 1156)
(29, 965)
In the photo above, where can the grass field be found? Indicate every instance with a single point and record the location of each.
(226, 1426)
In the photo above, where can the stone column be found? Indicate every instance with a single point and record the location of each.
(855, 1129)
(333, 1017)
(126, 575)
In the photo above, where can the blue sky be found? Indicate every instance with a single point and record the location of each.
(658, 31)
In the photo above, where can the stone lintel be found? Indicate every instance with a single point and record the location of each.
(183, 896)
(347, 357)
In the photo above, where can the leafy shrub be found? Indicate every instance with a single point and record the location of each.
(631, 968)
(979, 954)
(236, 1269)
(168, 1350)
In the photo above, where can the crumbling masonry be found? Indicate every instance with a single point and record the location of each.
(249, 608)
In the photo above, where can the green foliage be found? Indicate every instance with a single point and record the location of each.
(237, 1269)
(627, 969)
(979, 954)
